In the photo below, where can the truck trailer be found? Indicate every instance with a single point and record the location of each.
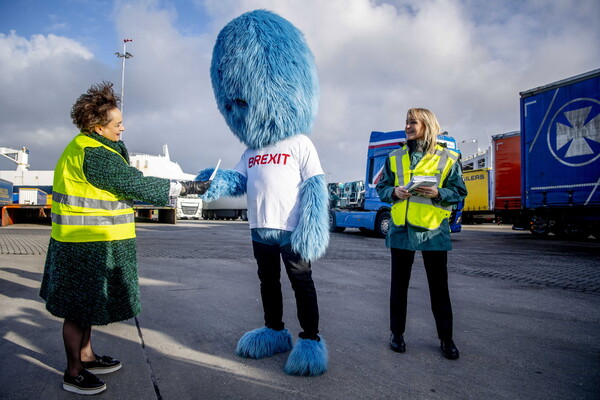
(356, 204)
(560, 156)
(6, 192)
(230, 208)
(494, 186)
(506, 182)
(478, 207)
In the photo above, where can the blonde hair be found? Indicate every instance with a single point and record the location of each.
(431, 125)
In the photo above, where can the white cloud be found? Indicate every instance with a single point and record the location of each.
(18, 53)
(40, 78)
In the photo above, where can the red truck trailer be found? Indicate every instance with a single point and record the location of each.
(506, 149)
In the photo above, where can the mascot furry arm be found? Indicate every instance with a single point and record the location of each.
(267, 97)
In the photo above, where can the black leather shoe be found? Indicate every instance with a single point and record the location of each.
(397, 343)
(449, 349)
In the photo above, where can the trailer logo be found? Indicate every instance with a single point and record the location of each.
(473, 177)
(574, 132)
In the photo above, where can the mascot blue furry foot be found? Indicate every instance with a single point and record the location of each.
(263, 342)
(308, 358)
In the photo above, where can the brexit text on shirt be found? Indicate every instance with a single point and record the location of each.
(279, 158)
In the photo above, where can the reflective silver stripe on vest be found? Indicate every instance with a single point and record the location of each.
(399, 154)
(427, 201)
(92, 220)
(91, 203)
(442, 164)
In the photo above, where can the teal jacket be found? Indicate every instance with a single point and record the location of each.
(409, 237)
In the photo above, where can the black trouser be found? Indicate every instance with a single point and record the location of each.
(300, 275)
(437, 278)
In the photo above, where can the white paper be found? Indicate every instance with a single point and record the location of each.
(420, 181)
(212, 176)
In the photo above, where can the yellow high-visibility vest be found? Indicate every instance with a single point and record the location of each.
(80, 211)
(416, 210)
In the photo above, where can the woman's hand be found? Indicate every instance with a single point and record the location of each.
(194, 187)
(430, 192)
(401, 193)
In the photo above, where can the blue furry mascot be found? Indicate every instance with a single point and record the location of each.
(265, 84)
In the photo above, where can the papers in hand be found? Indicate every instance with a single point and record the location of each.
(420, 181)
(212, 176)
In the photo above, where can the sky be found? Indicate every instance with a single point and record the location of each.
(466, 60)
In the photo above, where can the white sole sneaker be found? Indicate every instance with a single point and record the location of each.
(75, 389)
(102, 371)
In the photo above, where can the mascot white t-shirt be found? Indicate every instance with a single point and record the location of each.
(274, 175)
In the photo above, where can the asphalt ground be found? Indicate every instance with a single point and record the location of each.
(526, 312)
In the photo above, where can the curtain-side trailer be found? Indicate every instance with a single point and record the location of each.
(478, 205)
(226, 208)
(560, 156)
(357, 205)
(506, 155)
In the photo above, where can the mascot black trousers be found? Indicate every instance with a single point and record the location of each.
(269, 272)
(437, 279)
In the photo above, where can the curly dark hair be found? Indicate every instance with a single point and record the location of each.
(92, 108)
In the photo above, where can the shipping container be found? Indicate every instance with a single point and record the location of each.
(560, 155)
(33, 196)
(6, 192)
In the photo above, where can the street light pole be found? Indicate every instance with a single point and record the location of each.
(124, 56)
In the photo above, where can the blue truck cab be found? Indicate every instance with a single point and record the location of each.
(357, 205)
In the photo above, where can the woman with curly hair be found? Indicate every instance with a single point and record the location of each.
(90, 276)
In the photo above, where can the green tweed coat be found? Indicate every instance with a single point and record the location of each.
(96, 283)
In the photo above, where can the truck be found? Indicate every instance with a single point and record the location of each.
(189, 207)
(6, 192)
(356, 204)
(231, 208)
(560, 156)
(506, 181)
(478, 205)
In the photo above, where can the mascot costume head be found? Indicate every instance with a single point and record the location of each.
(265, 84)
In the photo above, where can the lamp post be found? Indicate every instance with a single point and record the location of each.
(124, 56)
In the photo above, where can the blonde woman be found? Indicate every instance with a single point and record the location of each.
(420, 222)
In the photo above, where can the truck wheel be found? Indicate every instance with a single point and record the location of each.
(383, 224)
(574, 231)
(332, 226)
(539, 226)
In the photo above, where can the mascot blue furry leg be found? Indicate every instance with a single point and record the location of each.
(266, 87)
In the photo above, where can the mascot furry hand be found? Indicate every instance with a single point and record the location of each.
(265, 84)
